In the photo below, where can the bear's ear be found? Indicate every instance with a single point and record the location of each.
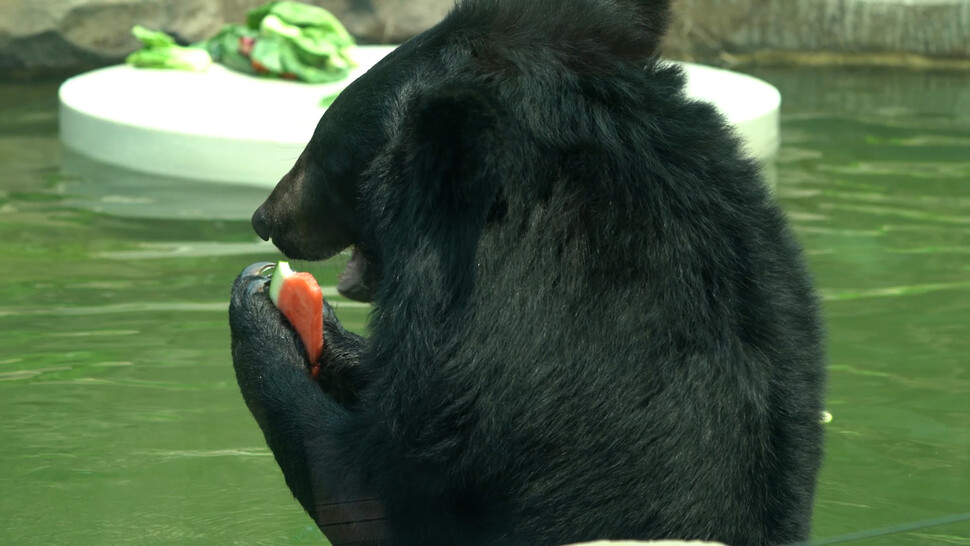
(455, 146)
(443, 172)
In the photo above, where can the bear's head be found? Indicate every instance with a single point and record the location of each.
(437, 135)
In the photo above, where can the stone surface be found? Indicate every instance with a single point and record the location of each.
(140, 119)
(872, 30)
(62, 37)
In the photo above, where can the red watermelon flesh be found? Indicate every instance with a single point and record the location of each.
(300, 300)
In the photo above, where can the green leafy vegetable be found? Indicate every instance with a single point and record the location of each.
(281, 39)
(289, 40)
(328, 100)
(152, 38)
(161, 51)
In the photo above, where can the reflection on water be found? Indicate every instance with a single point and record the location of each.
(120, 419)
(101, 188)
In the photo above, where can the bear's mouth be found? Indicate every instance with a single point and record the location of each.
(357, 279)
(356, 282)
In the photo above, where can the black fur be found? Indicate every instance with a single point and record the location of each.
(591, 320)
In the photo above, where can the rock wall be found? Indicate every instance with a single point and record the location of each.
(59, 37)
(867, 30)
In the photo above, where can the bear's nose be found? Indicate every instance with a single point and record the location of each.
(261, 224)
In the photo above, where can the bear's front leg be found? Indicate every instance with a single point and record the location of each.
(298, 417)
(254, 320)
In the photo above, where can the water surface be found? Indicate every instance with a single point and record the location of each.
(120, 419)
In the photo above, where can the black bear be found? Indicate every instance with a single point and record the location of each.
(590, 318)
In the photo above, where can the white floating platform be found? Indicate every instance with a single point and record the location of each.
(223, 126)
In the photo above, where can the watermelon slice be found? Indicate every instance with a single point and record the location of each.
(297, 295)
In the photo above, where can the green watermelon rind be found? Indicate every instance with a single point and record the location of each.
(280, 274)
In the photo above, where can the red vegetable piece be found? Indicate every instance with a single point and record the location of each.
(246, 45)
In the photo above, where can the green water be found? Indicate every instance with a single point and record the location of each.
(120, 420)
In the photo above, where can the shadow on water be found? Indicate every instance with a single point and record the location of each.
(121, 420)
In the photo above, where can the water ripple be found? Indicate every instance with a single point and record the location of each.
(906, 290)
(205, 453)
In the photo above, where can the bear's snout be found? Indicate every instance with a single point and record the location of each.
(261, 224)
